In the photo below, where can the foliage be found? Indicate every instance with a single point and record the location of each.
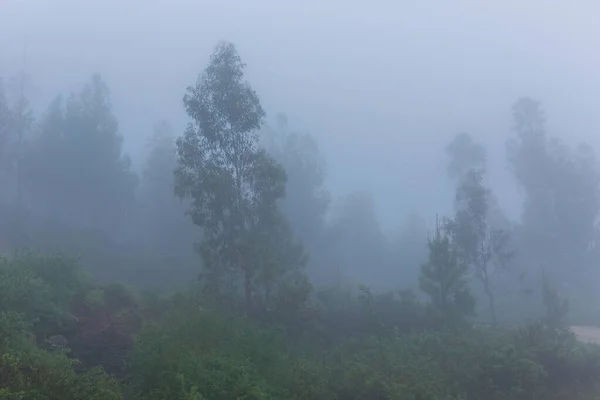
(556, 306)
(356, 241)
(40, 289)
(445, 278)
(81, 131)
(254, 326)
(216, 356)
(465, 155)
(355, 346)
(307, 200)
(159, 211)
(5, 128)
(558, 224)
(28, 372)
(197, 350)
(234, 186)
(35, 295)
(480, 246)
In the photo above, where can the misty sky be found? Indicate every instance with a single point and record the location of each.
(383, 84)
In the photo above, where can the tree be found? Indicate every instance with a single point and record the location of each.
(5, 125)
(5, 136)
(162, 225)
(307, 200)
(465, 155)
(75, 168)
(480, 246)
(16, 121)
(234, 185)
(160, 209)
(409, 249)
(556, 306)
(444, 278)
(561, 195)
(356, 242)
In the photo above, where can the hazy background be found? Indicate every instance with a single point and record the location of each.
(383, 85)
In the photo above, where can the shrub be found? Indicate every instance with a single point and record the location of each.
(209, 354)
(30, 373)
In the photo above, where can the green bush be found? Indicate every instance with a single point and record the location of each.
(193, 351)
(35, 296)
(41, 289)
(30, 373)
(350, 346)
(207, 354)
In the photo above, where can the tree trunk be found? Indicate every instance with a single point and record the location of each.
(492, 303)
(248, 291)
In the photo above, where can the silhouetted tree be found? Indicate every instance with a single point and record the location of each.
(162, 225)
(5, 127)
(465, 155)
(444, 278)
(307, 200)
(356, 242)
(76, 164)
(234, 186)
(561, 194)
(481, 247)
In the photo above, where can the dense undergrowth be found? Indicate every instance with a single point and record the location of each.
(65, 338)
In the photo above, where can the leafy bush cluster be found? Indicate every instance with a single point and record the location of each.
(355, 346)
(197, 352)
(35, 301)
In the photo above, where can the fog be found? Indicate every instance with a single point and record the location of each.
(382, 86)
(378, 85)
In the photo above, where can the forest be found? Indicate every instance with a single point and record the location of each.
(224, 269)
